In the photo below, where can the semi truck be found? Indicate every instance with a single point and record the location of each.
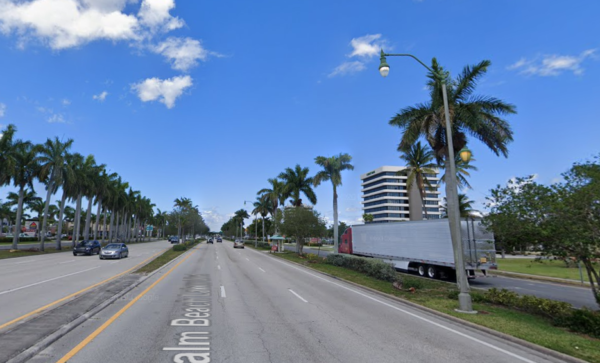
(424, 247)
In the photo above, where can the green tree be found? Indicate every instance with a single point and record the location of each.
(7, 148)
(262, 207)
(419, 166)
(332, 171)
(296, 181)
(274, 196)
(302, 223)
(239, 217)
(368, 218)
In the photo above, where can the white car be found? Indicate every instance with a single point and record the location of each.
(238, 243)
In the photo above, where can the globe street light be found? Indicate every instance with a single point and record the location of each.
(464, 298)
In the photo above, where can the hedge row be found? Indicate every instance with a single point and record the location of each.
(559, 313)
(370, 266)
(21, 239)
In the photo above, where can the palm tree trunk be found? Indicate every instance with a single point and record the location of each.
(60, 221)
(97, 220)
(88, 219)
(104, 227)
(46, 205)
(19, 212)
(77, 225)
(414, 207)
(263, 225)
(335, 220)
(117, 227)
(112, 228)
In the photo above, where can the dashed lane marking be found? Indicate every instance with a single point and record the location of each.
(298, 296)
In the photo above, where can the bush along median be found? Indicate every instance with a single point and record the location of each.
(574, 334)
(167, 256)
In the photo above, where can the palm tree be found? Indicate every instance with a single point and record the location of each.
(52, 165)
(332, 170)
(94, 178)
(262, 207)
(68, 184)
(36, 205)
(418, 166)
(181, 206)
(464, 206)
(239, 217)
(6, 154)
(295, 182)
(274, 196)
(462, 168)
(24, 172)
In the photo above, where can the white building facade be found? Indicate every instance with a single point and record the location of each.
(385, 195)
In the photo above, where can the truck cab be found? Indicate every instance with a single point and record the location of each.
(345, 245)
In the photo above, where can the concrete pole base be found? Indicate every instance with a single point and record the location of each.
(464, 302)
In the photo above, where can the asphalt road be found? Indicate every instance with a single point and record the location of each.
(574, 295)
(219, 304)
(29, 283)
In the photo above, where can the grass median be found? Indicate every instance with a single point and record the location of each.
(434, 294)
(167, 256)
(541, 267)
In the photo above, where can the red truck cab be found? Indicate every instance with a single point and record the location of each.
(345, 245)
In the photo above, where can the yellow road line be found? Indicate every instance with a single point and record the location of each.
(73, 294)
(97, 332)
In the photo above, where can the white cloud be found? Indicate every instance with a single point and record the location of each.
(214, 219)
(69, 23)
(2, 110)
(553, 64)
(351, 209)
(66, 102)
(101, 97)
(367, 46)
(347, 68)
(182, 53)
(165, 91)
(56, 118)
(155, 15)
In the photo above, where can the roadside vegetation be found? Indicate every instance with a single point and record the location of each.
(30, 252)
(543, 267)
(167, 256)
(532, 319)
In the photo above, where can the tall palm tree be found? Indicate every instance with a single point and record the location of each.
(462, 171)
(36, 205)
(332, 170)
(274, 196)
(24, 172)
(296, 181)
(464, 206)
(262, 207)
(239, 217)
(419, 164)
(52, 164)
(68, 183)
(102, 194)
(181, 206)
(6, 154)
(94, 179)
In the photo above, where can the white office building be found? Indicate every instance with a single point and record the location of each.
(386, 197)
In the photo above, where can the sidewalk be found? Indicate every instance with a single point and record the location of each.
(536, 277)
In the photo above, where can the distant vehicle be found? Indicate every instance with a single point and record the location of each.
(87, 247)
(114, 250)
(424, 247)
(219, 239)
(174, 239)
(238, 243)
(210, 240)
(23, 235)
(63, 236)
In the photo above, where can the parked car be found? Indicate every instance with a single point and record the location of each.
(87, 248)
(238, 243)
(210, 240)
(114, 250)
(174, 239)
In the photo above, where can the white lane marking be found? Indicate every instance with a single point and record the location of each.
(219, 267)
(112, 263)
(408, 313)
(247, 259)
(262, 269)
(42, 282)
(298, 296)
(69, 261)
(217, 257)
(223, 291)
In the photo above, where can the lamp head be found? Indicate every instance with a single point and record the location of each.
(465, 154)
(384, 68)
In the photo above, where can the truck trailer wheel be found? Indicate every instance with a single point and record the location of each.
(432, 272)
(421, 270)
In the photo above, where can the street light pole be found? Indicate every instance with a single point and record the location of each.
(464, 297)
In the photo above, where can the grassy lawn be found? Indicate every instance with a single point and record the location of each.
(24, 253)
(550, 268)
(434, 294)
(163, 259)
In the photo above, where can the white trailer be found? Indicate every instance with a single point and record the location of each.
(422, 246)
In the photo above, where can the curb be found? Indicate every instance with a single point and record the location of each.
(516, 275)
(65, 329)
(510, 338)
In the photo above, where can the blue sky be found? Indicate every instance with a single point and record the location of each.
(209, 99)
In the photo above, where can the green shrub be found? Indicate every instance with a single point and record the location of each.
(583, 321)
(179, 248)
(370, 266)
(409, 282)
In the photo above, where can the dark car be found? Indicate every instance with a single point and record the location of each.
(219, 239)
(174, 239)
(210, 240)
(114, 250)
(87, 247)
